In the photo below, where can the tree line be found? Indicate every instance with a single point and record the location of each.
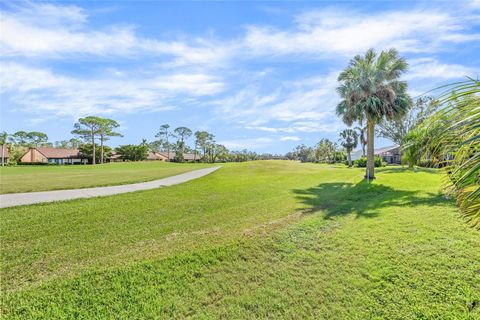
(92, 134)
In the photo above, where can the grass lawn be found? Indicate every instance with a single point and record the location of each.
(267, 239)
(42, 178)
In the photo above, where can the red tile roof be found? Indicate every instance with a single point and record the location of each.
(152, 155)
(57, 153)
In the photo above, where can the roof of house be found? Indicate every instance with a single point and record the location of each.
(153, 155)
(58, 153)
(386, 149)
(358, 154)
(5, 151)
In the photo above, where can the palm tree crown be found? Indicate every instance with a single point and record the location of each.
(371, 90)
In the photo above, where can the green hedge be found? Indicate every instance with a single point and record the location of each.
(362, 162)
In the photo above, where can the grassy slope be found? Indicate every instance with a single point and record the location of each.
(42, 178)
(263, 239)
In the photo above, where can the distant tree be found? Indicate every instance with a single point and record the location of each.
(64, 144)
(349, 140)
(20, 138)
(88, 128)
(133, 152)
(202, 140)
(68, 144)
(371, 90)
(217, 151)
(397, 129)
(304, 153)
(182, 134)
(75, 143)
(37, 138)
(86, 150)
(325, 151)
(105, 131)
(164, 134)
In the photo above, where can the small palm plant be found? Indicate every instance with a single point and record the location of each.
(349, 140)
(371, 90)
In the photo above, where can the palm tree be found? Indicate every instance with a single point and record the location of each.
(454, 136)
(362, 130)
(349, 141)
(371, 90)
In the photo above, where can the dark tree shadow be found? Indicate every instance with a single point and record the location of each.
(362, 199)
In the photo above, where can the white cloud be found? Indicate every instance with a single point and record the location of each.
(296, 106)
(247, 143)
(41, 91)
(290, 138)
(47, 30)
(331, 32)
(425, 68)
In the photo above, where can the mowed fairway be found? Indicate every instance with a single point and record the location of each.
(43, 178)
(266, 239)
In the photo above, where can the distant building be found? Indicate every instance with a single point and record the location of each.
(53, 155)
(153, 155)
(157, 156)
(390, 155)
(186, 156)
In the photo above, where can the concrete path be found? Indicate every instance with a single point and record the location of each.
(17, 199)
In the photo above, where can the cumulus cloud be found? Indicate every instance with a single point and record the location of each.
(331, 32)
(57, 31)
(247, 143)
(290, 138)
(429, 68)
(39, 90)
(228, 77)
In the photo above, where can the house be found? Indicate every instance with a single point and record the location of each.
(153, 155)
(390, 155)
(53, 155)
(6, 154)
(113, 157)
(189, 157)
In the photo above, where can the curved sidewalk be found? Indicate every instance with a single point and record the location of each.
(18, 199)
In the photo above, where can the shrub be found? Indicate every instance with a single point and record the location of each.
(362, 162)
(36, 164)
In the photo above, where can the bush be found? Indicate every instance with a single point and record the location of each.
(362, 162)
(36, 164)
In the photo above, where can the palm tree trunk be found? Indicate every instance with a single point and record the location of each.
(195, 154)
(349, 159)
(93, 148)
(101, 149)
(3, 154)
(168, 149)
(370, 174)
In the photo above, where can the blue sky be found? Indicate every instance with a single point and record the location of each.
(258, 75)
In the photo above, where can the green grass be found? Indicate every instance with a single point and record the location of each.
(43, 178)
(252, 240)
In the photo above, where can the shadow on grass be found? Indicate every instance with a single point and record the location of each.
(362, 199)
(398, 169)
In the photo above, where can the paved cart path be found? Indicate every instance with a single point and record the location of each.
(17, 199)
